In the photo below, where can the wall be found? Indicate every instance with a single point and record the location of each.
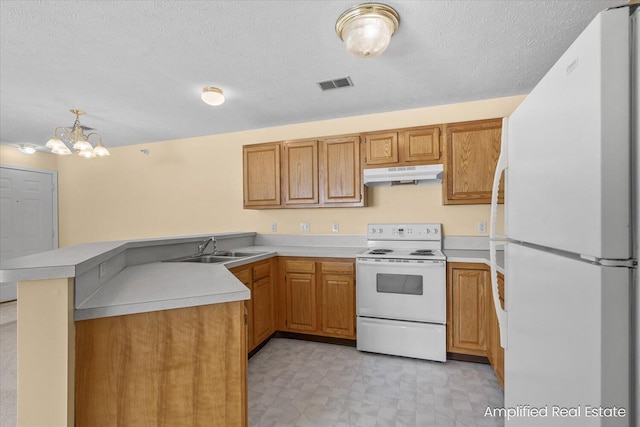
(11, 156)
(194, 185)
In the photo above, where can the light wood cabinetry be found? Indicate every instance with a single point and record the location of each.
(495, 352)
(300, 294)
(318, 296)
(403, 147)
(300, 172)
(315, 173)
(338, 293)
(128, 368)
(467, 285)
(261, 175)
(472, 151)
(341, 172)
(381, 148)
(259, 278)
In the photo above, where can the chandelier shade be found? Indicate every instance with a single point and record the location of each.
(366, 29)
(64, 140)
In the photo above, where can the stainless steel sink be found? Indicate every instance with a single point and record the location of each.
(207, 259)
(222, 256)
(233, 254)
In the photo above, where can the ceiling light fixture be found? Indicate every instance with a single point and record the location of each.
(27, 148)
(75, 138)
(212, 95)
(366, 29)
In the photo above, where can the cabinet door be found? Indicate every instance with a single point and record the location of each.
(466, 315)
(381, 148)
(340, 172)
(300, 173)
(262, 296)
(261, 175)
(301, 302)
(338, 305)
(421, 145)
(472, 151)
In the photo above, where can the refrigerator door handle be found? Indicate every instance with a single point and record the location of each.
(494, 239)
(500, 167)
(500, 312)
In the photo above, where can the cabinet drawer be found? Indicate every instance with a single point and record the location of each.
(300, 266)
(337, 267)
(262, 270)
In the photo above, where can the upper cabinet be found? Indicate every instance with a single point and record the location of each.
(261, 175)
(472, 151)
(341, 172)
(403, 147)
(327, 172)
(381, 148)
(315, 173)
(300, 172)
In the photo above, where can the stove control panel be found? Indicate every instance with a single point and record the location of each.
(404, 231)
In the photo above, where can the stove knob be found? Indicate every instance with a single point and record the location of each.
(428, 231)
(373, 231)
(380, 230)
(435, 231)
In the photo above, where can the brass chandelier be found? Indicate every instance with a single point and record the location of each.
(64, 140)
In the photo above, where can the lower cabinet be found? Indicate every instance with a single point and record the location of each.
(259, 278)
(472, 323)
(338, 296)
(300, 295)
(495, 352)
(467, 284)
(318, 296)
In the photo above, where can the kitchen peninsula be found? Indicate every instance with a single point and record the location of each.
(109, 330)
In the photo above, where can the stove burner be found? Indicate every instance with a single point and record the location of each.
(422, 252)
(380, 251)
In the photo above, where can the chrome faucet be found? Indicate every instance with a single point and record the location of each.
(203, 245)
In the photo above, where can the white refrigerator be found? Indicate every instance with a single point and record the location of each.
(570, 154)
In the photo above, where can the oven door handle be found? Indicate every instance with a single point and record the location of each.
(426, 264)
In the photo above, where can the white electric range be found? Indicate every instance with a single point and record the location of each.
(401, 291)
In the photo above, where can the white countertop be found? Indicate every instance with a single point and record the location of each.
(160, 286)
(151, 286)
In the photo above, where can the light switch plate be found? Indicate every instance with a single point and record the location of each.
(336, 227)
(304, 226)
(274, 227)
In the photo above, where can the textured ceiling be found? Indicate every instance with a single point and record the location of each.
(137, 67)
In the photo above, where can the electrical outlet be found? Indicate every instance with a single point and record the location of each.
(103, 270)
(304, 226)
(336, 226)
(274, 227)
(482, 227)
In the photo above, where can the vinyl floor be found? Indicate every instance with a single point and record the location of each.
(301, 383)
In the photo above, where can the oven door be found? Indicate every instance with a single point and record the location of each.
(402, 290)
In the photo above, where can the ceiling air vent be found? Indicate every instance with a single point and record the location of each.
(336, 83)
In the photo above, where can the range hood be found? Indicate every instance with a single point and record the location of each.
(402, 175)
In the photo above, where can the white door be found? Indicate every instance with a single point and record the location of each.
(28, 216)
(568, 338)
